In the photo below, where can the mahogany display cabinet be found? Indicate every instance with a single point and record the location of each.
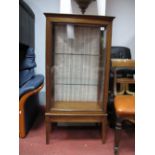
(77, 69)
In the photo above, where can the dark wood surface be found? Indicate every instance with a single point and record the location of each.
(107, 65)
(79, 19)
(48, 64)
(77, 16)
(100, 71)
(60, 112)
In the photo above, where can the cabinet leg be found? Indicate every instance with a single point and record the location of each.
(48, 129)
(104, 130)
(117, 136)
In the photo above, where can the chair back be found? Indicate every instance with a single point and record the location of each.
(119, 52)
(124, 83)
(26, 64)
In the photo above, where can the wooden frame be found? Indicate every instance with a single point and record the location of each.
(124, 82)
(130, 64)
(22, 102)
(63, 112)
(123, 63)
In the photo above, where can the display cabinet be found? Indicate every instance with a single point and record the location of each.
(77, 69)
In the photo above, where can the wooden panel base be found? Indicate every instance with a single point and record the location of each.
(76, 117)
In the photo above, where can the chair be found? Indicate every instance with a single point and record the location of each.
(117, 52)
(124, 100)
(29, 85)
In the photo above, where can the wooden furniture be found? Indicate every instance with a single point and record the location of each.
(77, 70)
(22, 118)
(117, 52)
(124, 102)
(128, 63)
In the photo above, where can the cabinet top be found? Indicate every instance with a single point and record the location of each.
(79, 19)
(58, 15)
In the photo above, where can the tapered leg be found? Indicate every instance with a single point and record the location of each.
(48, 129)
(118, 128)
(104, 130)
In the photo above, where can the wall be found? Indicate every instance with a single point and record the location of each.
(123, 27)
(52, 6)
(124, 23)
(39, 7)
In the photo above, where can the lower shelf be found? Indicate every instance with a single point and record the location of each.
(76, 109)
(76, 106)
(75, 112)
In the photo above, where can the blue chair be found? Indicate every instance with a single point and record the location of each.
(29, 84)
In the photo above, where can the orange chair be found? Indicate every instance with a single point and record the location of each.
(124, 104)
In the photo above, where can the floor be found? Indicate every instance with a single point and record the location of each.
(77, 140)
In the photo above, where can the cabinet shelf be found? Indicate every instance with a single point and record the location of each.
(79, 54)
(75, 106)
(70, 84)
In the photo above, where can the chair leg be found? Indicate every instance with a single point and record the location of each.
(48, 129)
(118, 128)
(104, 130)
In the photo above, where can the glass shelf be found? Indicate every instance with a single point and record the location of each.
(76, 84)
(77, 54)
